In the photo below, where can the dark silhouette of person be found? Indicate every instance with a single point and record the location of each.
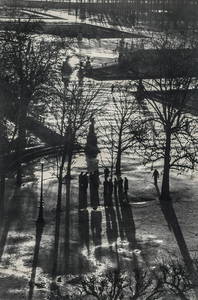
(120, 189)
(110, 184)
(88, 66)
(83, 227)
(115, 185)
(111, 223)
(94, 184)
(105, 193)
(106, 173)
(85, 181)
(91, 185)
(84, 190)
(155, 176)
(80, 179)
(96, 228)
(80, 188)
(126, 187)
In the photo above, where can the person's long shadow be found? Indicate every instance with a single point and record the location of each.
(171, 218)
(96, 229)
(84, 240)
(126, 226)
(112, 231)
(39, 231)
(11, 215)
(127, 223)
(56, 244)
(83, 225)
(111, 223)
(158, 191)
(119, 218)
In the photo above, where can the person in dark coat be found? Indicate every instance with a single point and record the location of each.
(106, 173)
(115, 185)
(110, 192)
(120, 189)
(126, 187)
(94, 196)
(155, 176)
(80, 177)
(85, 181)
(80, 189)
(105, 193)
(96, 186)
(84, 190)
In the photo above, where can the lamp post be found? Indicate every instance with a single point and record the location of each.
(40, 216)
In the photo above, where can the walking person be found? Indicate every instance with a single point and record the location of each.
(126, 187)
(155, 176)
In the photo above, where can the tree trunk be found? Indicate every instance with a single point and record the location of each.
(67, 210)
(21, 143)
(68, 177)
(60, 184)
(165, 191)
(118, 164)
(119, 155)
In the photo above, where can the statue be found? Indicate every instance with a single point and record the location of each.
(91, 148)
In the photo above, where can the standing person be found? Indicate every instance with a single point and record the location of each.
(126, 187)
(80, 188)
(110, 192)
(115, 184)
(106, 173)
(91, 185)
(84, 190)
(120, 189)
(86, 181)
(106, 187)
(96, 186)
(155, 176)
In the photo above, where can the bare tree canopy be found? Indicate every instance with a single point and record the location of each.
(172, 138)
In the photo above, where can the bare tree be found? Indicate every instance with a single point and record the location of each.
(173, 278)
(173, 136)
(122, 126)
(27, 66)
(109, 286)
(72, 107)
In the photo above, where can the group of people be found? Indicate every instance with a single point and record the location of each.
(118, 186)
(91, 179)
